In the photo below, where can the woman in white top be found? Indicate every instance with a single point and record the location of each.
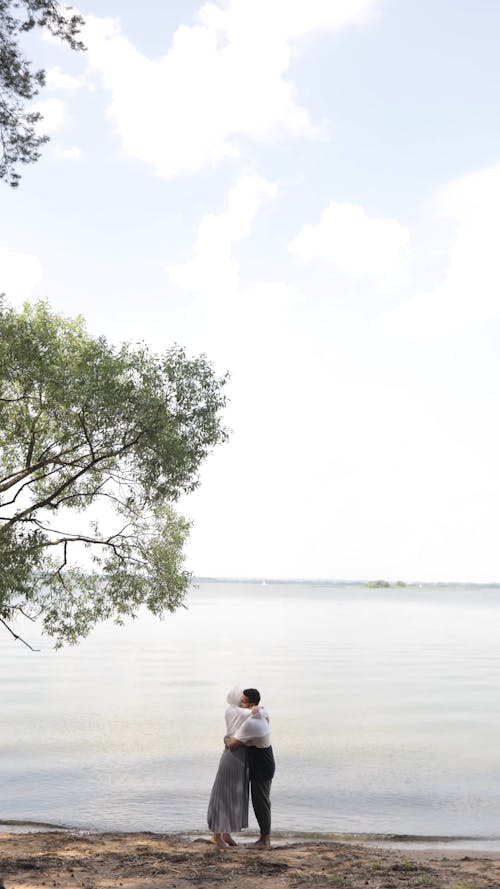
(228, 805)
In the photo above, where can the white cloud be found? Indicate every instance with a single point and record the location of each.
(53, 112)
(232, 317)
(222, 81)
(361, 246)
(469, 291)
(70, 154)
(212, 268)
(269, 20)
(20, 273)
(58, 80)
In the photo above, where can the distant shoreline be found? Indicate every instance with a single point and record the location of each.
(368, 584)
(379, 840)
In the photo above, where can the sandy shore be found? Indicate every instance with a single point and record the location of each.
(155, 861)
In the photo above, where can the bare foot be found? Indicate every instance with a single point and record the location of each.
(263, 842)
(229, 840)
(218, 841)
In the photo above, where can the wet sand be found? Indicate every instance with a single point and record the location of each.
(155, 861)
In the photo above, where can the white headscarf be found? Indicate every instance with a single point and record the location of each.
(234, 696)
(235, 715)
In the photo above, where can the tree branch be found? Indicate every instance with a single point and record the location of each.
(16, 637)
(25, 614)
(84, 538)
(8, 481)
(57, 573)
(49, 500)
(85, 432)
(39, 478)
(31, 445)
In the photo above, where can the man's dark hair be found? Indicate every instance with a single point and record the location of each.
(252, 694)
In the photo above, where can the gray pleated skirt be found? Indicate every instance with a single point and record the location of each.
(228, 805)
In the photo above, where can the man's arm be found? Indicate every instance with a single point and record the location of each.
(249, 731)
(254, 712)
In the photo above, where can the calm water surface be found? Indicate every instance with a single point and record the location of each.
(384, 706)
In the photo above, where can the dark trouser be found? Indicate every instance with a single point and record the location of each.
(261, 765)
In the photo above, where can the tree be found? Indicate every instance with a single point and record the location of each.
(97, 443)
(19, 140)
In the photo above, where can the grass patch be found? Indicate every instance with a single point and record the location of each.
(429, 881)
(339, 881)
(406, 866)
(464, 884)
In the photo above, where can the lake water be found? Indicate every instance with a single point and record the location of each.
(384, 707)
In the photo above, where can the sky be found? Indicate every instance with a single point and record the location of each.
(308, 193)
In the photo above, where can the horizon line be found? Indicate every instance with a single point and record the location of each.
(260, 579)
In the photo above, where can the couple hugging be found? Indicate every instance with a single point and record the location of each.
(247, 759)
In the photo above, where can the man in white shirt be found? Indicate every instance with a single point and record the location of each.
(255, 735)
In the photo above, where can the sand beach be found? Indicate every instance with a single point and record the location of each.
(155, 861)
